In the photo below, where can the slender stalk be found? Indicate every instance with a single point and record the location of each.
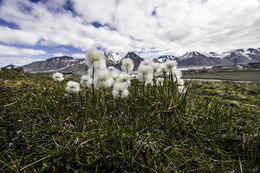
(93, 87)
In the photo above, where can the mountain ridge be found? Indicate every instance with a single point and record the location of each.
(193, 58)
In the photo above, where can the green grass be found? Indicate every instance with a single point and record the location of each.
(214, 127)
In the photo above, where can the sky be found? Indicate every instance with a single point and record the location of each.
(33, 30)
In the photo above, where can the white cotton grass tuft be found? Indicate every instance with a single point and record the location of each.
(181, 87)
(124, 77)
(127, 65)
(170, 64)
(170, 67)
(58, 76)
(94, 55)
(99, 65)
(145, 71)
(180, 82)
(103, 79)
(147, 62)
(96, 69)
(96, 59)
(163, 67)
(147, 78)
(116, 74)
(120, 90)
(86, 81)
(157, 69)
(145, 68)
(73, 87)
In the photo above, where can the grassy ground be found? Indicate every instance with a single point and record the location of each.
(227, 75)
(214, 127)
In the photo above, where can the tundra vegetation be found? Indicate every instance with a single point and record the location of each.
(107, 121)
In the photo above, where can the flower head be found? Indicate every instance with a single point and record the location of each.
(157, 69)
(103, 79)
(127, 65)
(145, 71)
(120, 90)
(182, 89)
(147, 62)
(180, 82)
(163, 67)
(170, 64)
(124, 77)
(58, 76)
(147, 78)
(116, 74)
(95, 58)
(86, 81)
(72, 87)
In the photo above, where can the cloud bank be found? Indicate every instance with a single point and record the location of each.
(150, 27)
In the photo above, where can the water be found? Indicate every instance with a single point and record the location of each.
(218, 80)
(194, 67)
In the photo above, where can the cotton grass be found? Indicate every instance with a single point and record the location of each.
(86, 81)
(103, 79)
(58, 76)
(73, 87)
(127, 65)
(124, 77)
(120, 90)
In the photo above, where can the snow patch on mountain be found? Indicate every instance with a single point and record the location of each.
(164, 58)
(115, 57)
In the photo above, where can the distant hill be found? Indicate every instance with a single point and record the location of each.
(194, 58)
(62, 63)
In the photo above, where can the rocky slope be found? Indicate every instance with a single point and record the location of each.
(62, 64)
(79, 66)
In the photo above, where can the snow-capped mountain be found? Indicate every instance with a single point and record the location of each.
(194, 58)
(225, 58)
(164, 58)
(254, 54)
(189, 55)
(114, 58)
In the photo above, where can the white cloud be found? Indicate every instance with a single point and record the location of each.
(10, 36)
(62, 28)
(177, 26)
(19, 61)
(18, 56)
(79, 55)
(14, 51)
(59, 54)
(75, 55)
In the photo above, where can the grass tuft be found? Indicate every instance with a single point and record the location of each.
(213, 127)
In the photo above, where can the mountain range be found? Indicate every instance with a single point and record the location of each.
(189, 59)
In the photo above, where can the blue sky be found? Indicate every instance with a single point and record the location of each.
(32, 30)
